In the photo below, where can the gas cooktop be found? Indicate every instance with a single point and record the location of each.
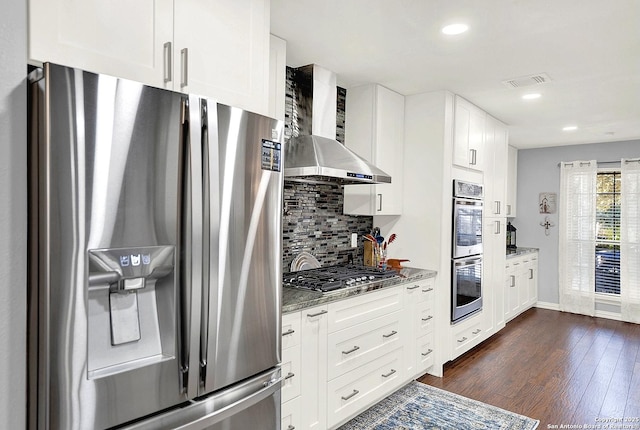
(331, 278)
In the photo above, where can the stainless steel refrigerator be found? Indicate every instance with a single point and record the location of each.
(155, 258)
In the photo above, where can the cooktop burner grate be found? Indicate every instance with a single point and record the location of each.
(332, 278)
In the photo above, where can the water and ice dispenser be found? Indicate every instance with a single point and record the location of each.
(132, 293)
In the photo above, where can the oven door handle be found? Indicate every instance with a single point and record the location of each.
(467, 262)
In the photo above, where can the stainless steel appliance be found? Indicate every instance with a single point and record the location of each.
(315, 155)
(332, 278)
(155, 258)
(466, 264)
(467, 219)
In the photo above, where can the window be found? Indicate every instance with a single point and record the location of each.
(607, 249)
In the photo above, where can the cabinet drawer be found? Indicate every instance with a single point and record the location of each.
(354, 346)
(422, 290)
(347, 313)
(290, 413)
(362, 387)
(290, 330)
(425, 357)
(425, 318)
(465, 339)
(290, 373)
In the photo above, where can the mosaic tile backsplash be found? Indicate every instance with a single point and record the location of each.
(312, 215)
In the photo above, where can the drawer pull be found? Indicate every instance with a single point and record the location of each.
(476, 331)
(289, 376)
(427, 318)
(291, 427)
(354, 349)
(390, 334)
(317, 314)
(350, 395)
(462, 340)
(429, 351)
(389, 374)
(288, 332)
(427, 290)
(413, 288)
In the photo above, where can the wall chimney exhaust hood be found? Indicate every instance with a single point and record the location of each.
(315, 155)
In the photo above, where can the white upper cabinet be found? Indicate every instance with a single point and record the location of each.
(374, 129)
(495, 172)
(468, 135)
(512, 180)
(227, 51)
(119, 37)
(214, 49)
(277, 77)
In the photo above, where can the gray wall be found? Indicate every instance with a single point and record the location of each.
(538, 172)
(13, 198)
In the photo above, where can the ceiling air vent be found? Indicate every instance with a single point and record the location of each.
(527, 81)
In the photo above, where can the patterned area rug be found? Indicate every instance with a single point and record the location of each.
(421, 406)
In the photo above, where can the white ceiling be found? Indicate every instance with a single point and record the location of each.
(589, 48)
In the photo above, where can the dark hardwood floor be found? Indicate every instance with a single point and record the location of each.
(557, 367)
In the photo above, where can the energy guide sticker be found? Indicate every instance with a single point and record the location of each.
(270, 155)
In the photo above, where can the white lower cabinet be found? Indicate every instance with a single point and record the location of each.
(357, 390)
(467, 334)
(291, 415)
(313, 367)
(352, 347)
(521, 284)
(341, 358)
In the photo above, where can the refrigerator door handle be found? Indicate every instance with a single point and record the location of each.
(211, 234)
(192, 242)
(215, 417)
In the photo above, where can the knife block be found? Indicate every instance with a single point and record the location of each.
(369, 254)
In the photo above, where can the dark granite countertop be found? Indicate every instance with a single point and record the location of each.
(512, 253)
(294, 299)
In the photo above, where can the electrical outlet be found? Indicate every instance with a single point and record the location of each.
(354, 240)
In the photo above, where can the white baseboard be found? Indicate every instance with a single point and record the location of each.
(599, 314)
(548, 305)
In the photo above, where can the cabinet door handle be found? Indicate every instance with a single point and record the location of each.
(473, 157)
(429, 351)
(476, 331)
(413, 288)
(508, 209)
(184, 62)
(317, 314)
(289, 376)
(354, 349)
(350, 395)
(497, 227)
(462, 340)
(497, 212)
(288, 332)
(530, 273)
(513, 281)
(167, 62)
(388, 374)
(393, 333)
(427, 318)
(427, 290)
(291, 427)
(379, 202)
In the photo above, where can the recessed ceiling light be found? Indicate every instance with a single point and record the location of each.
(531, 96)
(454, 29)
(570, 128)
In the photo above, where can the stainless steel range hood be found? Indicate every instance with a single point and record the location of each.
(315, 155)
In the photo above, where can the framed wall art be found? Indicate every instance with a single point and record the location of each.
(547, 203)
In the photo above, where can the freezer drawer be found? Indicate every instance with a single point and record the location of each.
(253, 404)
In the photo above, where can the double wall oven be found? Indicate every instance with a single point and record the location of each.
(466, 261)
